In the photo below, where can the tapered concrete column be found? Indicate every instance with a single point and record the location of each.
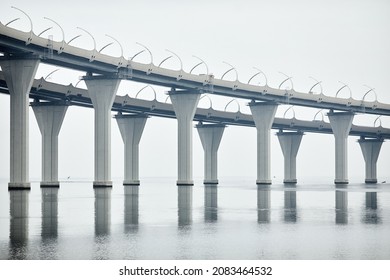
(289, 142)
(102, 92)
(19, 75)
(263, 114)
(131, 128)
(49, 117)
(370, 149)
(341, 124)
(210, 136)
(184, 103)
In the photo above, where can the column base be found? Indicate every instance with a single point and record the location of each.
(264, 182)
(184, 183)
(50, 184)
(131, 182)
(371, 181)
(102, 184)
(19, 186)
(290, 181)
(341, 181)
(210, 182)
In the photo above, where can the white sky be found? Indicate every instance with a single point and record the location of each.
(330, 40)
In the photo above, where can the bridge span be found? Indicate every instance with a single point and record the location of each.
(23, 51)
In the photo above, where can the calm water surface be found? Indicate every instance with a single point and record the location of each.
(158, 220)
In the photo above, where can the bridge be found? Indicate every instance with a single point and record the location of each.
(23, 51)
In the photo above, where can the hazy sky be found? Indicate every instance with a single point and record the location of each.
(330, 40)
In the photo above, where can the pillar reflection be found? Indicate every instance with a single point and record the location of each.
(263, 204)
(19, 203)
(49, 224)
(184, 195)
(102, 211)
(210, 203)
(131, 213)
(290, 206)
(341, 207)
(371, 215)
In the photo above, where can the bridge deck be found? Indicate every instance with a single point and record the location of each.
(62, 54)
(47, 91)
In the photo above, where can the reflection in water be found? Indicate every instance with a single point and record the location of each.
(49, 226)
(102, 211)
(131, 205)
(184, 195)
(210, 203)
(18, 223)
(49, 223)
(371, 215)
(263, 204)
(290, 206)
(341, 207)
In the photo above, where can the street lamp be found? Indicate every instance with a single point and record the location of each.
(258, 73)
(285, 80)
(231, 69)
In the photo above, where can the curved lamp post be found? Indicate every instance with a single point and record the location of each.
(173, 54)
(155, 95)
(258, 73)
(322, 114)
(11, 21)
(344, 86)
(288, 109)
(370, 90)
(285, 80)
(378, 119)
(208, 97)
(62, 32)
(318, 83)
(200, 63)
(238, 104)
(150, 53)
(31, 24)
(231, 69)
(52, 72)
(94, 43)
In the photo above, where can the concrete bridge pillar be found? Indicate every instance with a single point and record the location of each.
(370, 149)
(341, 124)
(19, 75)
(210, 136)
(184, 103)
(102, 92)
(289, 142)
(49, 117)
(263, 115)
(131, 128)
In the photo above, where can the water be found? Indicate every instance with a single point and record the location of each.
(158, 220)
